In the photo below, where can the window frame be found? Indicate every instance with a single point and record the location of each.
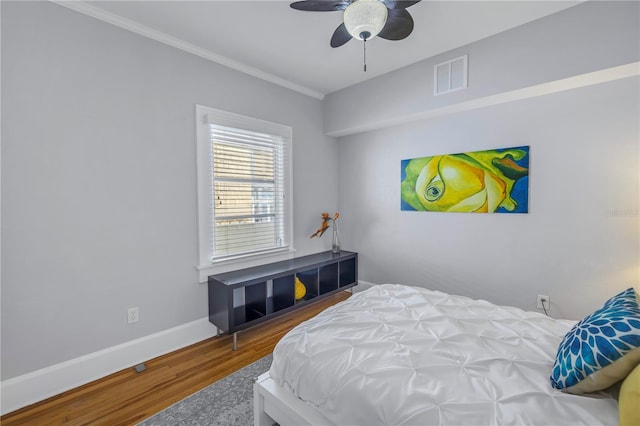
(206, 264)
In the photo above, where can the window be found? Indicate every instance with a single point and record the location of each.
(243, 187)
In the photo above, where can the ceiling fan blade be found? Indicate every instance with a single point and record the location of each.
(399, 4)
(340, 36)
(399, 25)
(320, 5)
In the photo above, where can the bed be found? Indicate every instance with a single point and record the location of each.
(401, 355)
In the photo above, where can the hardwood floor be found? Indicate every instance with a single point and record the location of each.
(127, 397)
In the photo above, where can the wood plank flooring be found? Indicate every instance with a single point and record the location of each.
(127, 397)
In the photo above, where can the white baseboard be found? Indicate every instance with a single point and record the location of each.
(38, 385)
(41, 384)
(362, 286)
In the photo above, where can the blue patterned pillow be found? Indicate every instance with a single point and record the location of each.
(601, 349)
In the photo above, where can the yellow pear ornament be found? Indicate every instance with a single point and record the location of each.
(301, 290)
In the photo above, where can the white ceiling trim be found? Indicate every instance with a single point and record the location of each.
(575, 82)
(111, 18)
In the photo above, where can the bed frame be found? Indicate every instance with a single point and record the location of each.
(272, 404)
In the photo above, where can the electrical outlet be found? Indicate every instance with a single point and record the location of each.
(543, 299)
(133, 315)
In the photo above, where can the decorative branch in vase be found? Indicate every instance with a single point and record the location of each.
(335, 244)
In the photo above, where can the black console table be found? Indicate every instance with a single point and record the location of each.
(246, 297)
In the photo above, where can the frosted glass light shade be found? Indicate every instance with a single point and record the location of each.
(365, 18)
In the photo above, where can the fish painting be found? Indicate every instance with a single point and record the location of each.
(491, 181)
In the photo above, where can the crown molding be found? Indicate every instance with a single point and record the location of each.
(127, 24)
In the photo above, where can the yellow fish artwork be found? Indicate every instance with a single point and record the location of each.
(491, 181)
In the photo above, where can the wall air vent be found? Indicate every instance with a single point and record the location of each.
(450, 76)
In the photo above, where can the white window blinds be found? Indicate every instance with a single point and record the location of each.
(247, 187)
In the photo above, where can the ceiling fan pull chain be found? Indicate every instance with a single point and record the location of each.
(364, 44)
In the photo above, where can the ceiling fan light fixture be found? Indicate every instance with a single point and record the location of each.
(364, 19)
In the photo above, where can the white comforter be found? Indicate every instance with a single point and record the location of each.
(399, 355)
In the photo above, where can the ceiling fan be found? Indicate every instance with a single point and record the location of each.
(365, 19)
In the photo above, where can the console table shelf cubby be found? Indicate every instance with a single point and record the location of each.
(246, 297)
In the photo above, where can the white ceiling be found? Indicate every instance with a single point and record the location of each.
(268, 39)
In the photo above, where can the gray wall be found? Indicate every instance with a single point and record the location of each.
(99, 182)
(588, 37)
(580, 242)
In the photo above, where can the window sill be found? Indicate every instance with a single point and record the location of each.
(234, 263)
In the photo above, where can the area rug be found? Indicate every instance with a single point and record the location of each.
(228, 401)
